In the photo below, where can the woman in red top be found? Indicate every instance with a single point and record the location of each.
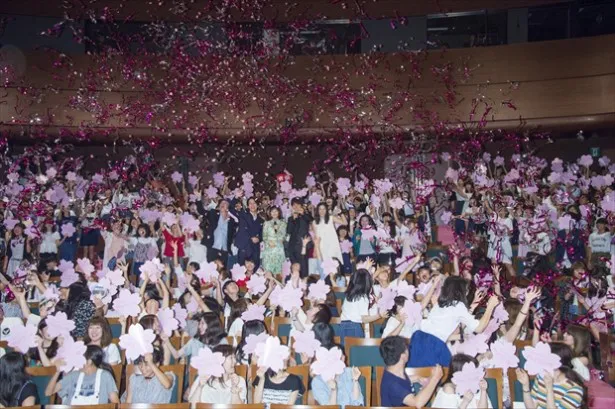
(173, 236)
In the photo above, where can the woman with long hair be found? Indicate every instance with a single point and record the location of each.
(99, 333)
(16, 388)
(359, 305)
(79, 308)
(562, 389)
(210, 334)
(364, 245)
(46, 347)
(229, 388)
(253, 327)
(274, 233)
(448, 397)
(324, 228)
(91, 385)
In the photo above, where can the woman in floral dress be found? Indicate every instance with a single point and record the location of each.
(274, 232)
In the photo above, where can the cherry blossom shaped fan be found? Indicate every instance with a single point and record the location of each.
(271, 354)
(58, 325)
(254, 312)
(318, 291)
(328, 364)
(539, 360)
(22, 337)
(468, 379)
(137, 342)
(208, 363)
(257, 284)
(305, 343)
(72, 353)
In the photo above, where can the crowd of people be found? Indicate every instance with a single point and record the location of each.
(455, 271)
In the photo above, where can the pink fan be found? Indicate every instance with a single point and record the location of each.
(10, 223)
(208, 363)
(169, 219)
(504, 355)
(286, 269)
(452, 175)
(315, 199)
(252, 341)
(153, 269)
(386, 300)
(406, 290)
(500, 314)
(68, 274)
(318, 291)
(414, 312)
(343, 186)
(211, 192)
(498, 161)
(468, 379)
(127, 304)
(22, 338)
(445, 156)
(492, 326)
(306, 343)
(238, 272)
(192, 306)
(85, 266)
(310, 181)
(328, 266)
(608, 203)
(254, 312)
(167, 320)
(181, 315)
(285, 186)
(564, 222)
(176, 177)
(474, 344)
(58, 325)
(193, 180)
(257, 284)
(189, 223)
(113, 175)
(68, 230)
(586, 161)
(137, 342)
(51, 293)
(396, 203)
(346, 246)
(208, 272)
(271, 354)
(446, 217)
(116, 277)
(73, 354)
(290, 298)
(218, 179)
(539, 360)
(97, 178)
(328, 364)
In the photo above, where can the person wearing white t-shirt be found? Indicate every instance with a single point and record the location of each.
(599, 244)
(99, 333)
(50, 240)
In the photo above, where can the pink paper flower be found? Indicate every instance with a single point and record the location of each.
(208, 272)
(208, 363)
(290, 298)
(504, 355)
(406, 290)
(343, 186)
(306, 343)
(500, 314)
(486, 157)
(85, 266)
(137, 342)
(68, 230)
(386, 300)
(445, 156)
(285, 186)
(192, 306)
(329, 363)
(51, 293)
(113, 175)
(585, 161)
(445, 217)
(176, 177)
(58, 325)
(286, 268)
(257, 284)
(414, 312)
(498, 161)
(252, 341)
(452, 175)
(167, 320)
(346, 246)
(218, 179)
(608, 203)
(97, 178)
(310, 181)
(539, 360)
(396, 203)
(474, 344)
(153, 269)
(69, 277)
(254, 312)
(181, 315)
(116, 277)
(564, 222)
(73, 354)
(604, 161)
(169, 219)
(557, 165)
(318, 291)
(71, 176)
(468, 379)
(238, 272)
(22, 338)
(189, 223)
(193, 180)
(315, 198)
(127, 303)
(211, 192)
(271, 354)
(328, 266)
(10, 223)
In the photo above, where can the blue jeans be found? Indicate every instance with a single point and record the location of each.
(351, 329)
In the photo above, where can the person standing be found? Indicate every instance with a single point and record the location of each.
(297, 229)
(274, 232)
(249, 234)
(220, 232)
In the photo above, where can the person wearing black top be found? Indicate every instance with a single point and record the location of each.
(16, 387)
(297, 228)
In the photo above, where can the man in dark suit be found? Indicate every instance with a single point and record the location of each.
(298, 227)
(221, 226)
(249, 234)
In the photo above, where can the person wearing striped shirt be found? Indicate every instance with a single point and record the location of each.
(561, 390)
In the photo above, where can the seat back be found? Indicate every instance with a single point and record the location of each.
(282, 326)
(494, 378)
(335, 324)
(117, 375)
(116, 327)
(41, 376)
(363, 351)
(365, 382)
(103, 406)
(177, 370)
(516, 391)
(376, 327)
(607, 356)
(154, 406)
(229, 406)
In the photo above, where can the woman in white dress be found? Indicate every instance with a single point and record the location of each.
(324, 228)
